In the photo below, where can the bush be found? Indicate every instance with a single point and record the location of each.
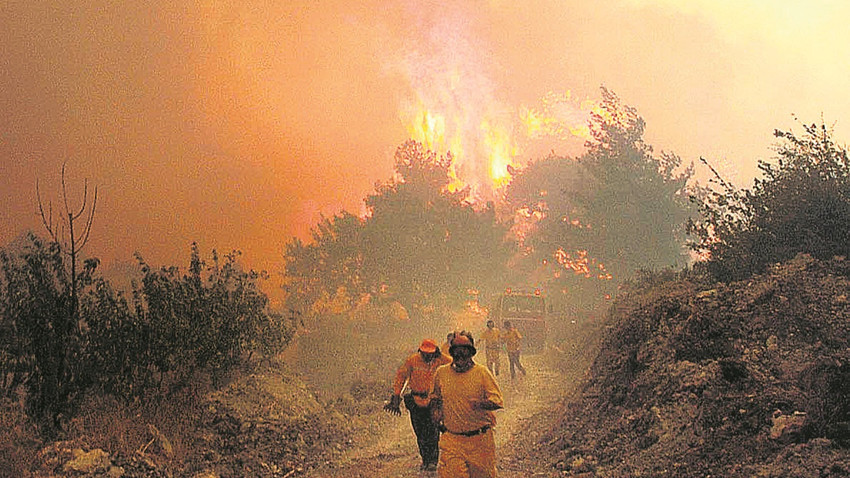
(40, 332)
(802, 205)
(175, 325)
(19, 440)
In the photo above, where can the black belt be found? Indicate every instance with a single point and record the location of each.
(470, 433)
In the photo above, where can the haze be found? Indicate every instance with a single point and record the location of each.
(238, 124)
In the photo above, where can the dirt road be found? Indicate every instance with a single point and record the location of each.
(388, 447)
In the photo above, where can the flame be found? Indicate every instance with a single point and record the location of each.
(500, 150)
(558, 116)
(427, 128)
(580, 264)
(488, 141)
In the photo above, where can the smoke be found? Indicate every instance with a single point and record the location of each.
(453, 106)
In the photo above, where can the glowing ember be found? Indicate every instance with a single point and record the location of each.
(580, 264)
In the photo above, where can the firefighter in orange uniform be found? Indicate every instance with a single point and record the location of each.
(463, 399)
(417, 372)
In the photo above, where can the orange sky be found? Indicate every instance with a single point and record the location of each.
(236, 123)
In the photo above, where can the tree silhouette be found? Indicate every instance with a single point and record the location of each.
(69, 237)
(426, 244)
(421, 244)
(636, 202)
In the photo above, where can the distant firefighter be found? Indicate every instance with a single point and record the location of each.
(513, 344)
(492, 346)
(447, 343)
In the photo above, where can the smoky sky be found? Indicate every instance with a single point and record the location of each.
(238, 124)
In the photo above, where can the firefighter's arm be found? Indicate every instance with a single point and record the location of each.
(401, 377)
(435, 405)
(492, 395)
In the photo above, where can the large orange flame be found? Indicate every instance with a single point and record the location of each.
(488, 141)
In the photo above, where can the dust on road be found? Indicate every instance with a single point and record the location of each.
(387, 447)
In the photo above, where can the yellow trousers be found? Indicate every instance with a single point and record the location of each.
(467, 457)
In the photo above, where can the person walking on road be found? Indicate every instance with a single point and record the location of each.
(492, 347)
(417, 373)
(463, 399)
(512, 339)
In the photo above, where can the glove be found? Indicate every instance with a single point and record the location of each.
(394, 406)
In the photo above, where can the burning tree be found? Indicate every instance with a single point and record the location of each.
(426, 243)
(616, 209)
(422, 244)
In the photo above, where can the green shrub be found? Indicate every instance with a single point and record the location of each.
(175, 326)
(802, 205)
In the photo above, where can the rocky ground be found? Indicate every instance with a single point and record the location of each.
(269, 423)
(739, 380)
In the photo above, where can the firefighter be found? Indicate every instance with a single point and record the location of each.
(463, 399)
(417, 372)
(492, 347)
(512, 339)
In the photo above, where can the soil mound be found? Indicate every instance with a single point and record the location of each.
(735, 380)
(265, 423)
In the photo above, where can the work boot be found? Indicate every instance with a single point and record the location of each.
(430, 467)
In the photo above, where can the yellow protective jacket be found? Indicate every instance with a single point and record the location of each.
(419, 376)
(458, 391)
(512, 338)
(492, 340)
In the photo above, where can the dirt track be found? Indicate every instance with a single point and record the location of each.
(388, 448)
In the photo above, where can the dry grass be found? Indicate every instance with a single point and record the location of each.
(125, 429)
(19, 442)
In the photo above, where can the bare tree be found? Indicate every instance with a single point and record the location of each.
(70, 241)
(70, 230)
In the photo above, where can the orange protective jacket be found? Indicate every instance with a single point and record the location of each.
(419, 376)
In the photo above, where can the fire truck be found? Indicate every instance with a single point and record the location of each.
(527, 312)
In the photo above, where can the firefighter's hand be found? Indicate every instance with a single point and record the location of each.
(394, 406)
(437, 416)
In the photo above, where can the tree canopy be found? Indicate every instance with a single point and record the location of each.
(616, 209)
(800, 205)
(421, 243)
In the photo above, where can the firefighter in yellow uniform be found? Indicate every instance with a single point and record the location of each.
(492, 347)
(512, 339)
(463, 399)
(417, 372)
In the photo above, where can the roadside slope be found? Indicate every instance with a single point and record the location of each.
(735, 380)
